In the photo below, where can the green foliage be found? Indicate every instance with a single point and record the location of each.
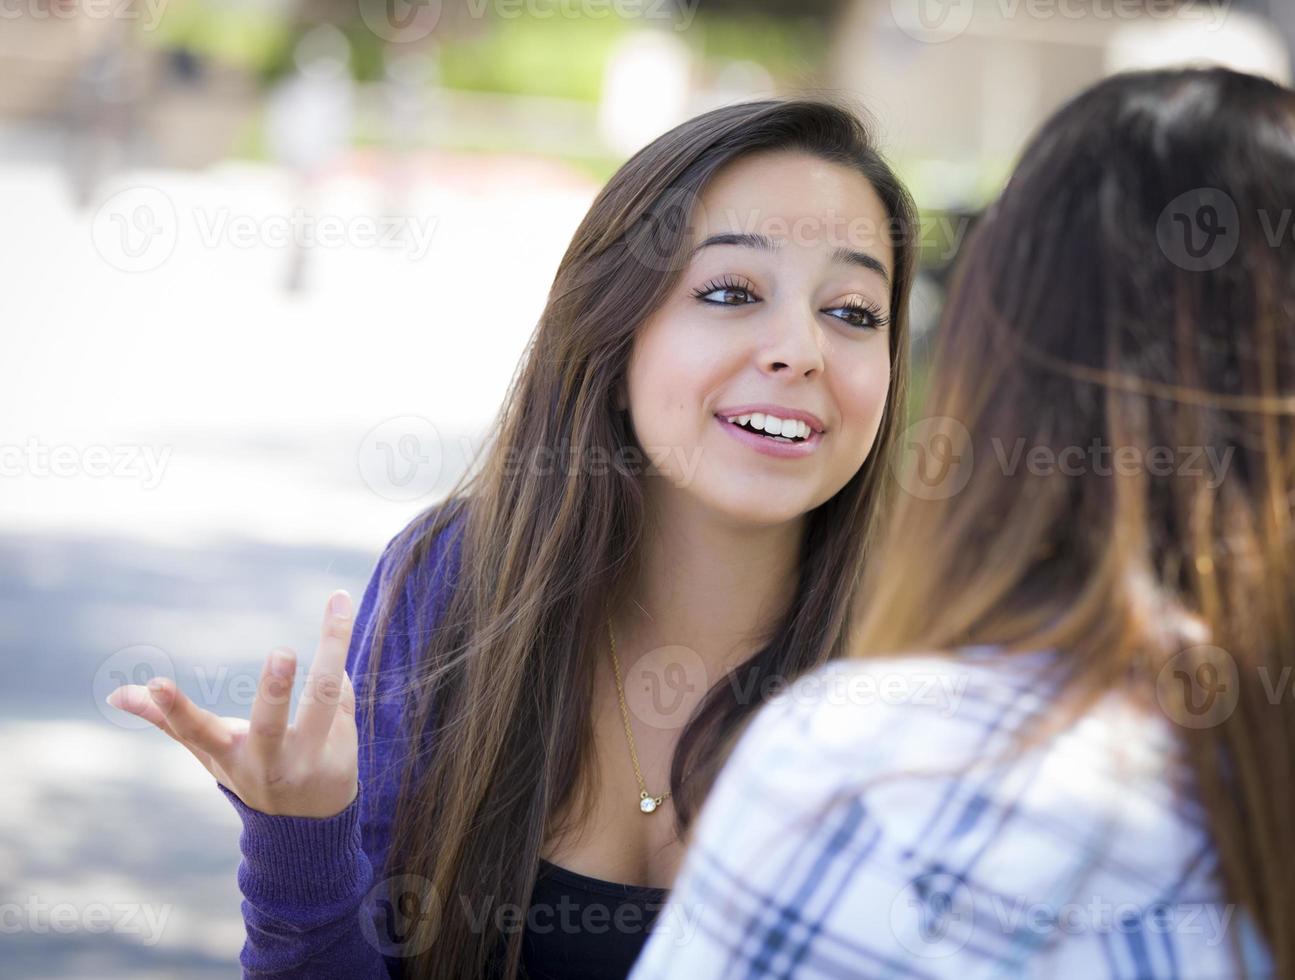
(366, 53)
(783, 46)
(554, 56)
(240, 35)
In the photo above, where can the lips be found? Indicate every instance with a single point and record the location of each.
(779, 447)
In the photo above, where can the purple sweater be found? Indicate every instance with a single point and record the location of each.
(306, 881)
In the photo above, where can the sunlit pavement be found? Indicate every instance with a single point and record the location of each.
(253, 421)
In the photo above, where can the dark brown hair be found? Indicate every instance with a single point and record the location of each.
(1126, 291)
(503, 685)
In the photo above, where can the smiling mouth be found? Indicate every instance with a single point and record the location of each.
(757, 423)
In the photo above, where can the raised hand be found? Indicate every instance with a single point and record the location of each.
(306, 769)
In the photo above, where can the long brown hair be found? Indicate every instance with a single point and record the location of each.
(1126, 293)
(503, 685)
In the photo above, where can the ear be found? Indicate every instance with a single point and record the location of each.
(621, 399)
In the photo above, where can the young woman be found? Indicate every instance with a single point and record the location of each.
(683, 483)
(1081, 764)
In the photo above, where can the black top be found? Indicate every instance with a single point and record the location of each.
(583, 928)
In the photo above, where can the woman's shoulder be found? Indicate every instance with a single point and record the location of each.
(406, 596)
(929, 747)
(955, 705)
(945, 704)
(425, 551)
(870, 808)
(415, 573)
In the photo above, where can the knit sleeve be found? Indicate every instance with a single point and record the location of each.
(312, 905)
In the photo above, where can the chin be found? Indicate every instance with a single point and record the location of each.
(758, 504)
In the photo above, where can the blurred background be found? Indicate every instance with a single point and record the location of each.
(268, 267)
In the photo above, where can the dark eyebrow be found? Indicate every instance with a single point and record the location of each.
(763, 242)
(856, 257)
(767, 244)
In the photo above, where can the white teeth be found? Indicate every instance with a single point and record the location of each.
(774, 426)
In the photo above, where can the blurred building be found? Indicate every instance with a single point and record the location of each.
(958, 85)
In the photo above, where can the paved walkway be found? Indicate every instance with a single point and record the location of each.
(267, 439)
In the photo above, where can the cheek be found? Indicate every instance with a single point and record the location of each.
(861, 398)
(673, 372)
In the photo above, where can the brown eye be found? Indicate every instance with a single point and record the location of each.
(729, 292)
(728, 288)
(860, 315)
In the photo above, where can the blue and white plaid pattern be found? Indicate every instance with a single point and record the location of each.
(857, 831)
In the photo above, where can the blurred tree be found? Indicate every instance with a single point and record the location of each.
(827, 10)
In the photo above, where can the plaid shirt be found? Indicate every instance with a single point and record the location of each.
(853, 834)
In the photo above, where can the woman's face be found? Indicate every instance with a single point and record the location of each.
(791, 332)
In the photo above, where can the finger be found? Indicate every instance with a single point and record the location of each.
(190, 723)
(136, 699)
(346, 701)
(168, 710)
(326, 681)
(273, 703)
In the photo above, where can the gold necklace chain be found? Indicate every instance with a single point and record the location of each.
(647, 803)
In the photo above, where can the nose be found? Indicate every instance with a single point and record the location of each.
(793, 348)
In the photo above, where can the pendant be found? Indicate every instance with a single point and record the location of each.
(648, 803)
